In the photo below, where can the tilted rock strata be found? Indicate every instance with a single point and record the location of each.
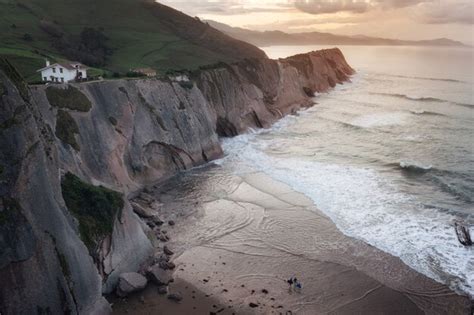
(136, 132)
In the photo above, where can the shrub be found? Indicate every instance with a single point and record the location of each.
(134, 74)
(89, 47)
(51, 29)
(70, 98)
(66, 129)
(95, 208)
(10, 212)
(27, 37)
(15, 77)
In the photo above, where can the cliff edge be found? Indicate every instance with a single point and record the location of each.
(72, 156)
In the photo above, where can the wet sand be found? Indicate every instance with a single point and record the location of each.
(239, 237)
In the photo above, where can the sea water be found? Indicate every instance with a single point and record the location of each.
(389, 157)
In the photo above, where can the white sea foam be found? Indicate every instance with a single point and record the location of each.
(381, 119)
(367, 206)
(408, 107)
(414, 166)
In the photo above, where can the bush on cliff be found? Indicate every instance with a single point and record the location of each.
(95, 208)
(13, 74)
(66, 129)
(70, 98)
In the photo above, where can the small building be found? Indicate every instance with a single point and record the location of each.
(149, 72)
(63, 72)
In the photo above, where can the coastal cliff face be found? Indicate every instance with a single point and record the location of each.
(109, 139)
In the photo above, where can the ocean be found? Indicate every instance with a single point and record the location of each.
(389, 157)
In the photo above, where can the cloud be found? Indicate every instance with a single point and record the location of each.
(226, 7)
(324, 6)
(421, 11)
(458, 12)
(310, 23)
(354, 6)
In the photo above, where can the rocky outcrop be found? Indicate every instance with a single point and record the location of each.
(130, 282)
(256, 93)
(134, 132)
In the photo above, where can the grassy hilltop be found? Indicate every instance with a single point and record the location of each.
(140, 33)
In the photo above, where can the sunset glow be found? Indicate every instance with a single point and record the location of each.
(401, 19)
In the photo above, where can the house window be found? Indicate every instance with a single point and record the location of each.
(62, 80)
(54, 70)
(61, 70)
(45, 78)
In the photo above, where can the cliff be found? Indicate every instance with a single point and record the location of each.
(73, 155)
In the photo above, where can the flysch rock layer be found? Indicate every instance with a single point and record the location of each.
(137, 132)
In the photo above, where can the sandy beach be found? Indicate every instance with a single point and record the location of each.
(238, 238)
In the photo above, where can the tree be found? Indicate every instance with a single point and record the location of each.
(27, 37)
(90, 47)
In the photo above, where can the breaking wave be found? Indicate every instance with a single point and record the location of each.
(365, 205)
(424, 99)
(424, 112)
(425, 78)
(413, 166)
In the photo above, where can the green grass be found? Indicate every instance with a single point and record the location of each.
(7, 67)
(141, 34)
(70, 98)
(95, 208)
(66, 129)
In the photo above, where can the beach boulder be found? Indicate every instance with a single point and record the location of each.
(142, 211)
(175, 297)
(167, 251)
(130, 282)
(166, 265)
(159, 276)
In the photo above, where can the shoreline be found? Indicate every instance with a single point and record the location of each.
(239, 236)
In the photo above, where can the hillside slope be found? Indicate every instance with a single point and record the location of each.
(269, 38)
(140, 33)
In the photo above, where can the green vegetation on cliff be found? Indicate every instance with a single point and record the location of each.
(70, 98)
(95, 208)
(9, 211)
(121, 34)
(14, 75)
(66, 129)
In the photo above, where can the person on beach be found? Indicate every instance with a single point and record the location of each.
(290, 282)
(298, 286)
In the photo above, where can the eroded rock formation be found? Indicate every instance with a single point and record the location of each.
(119, 134)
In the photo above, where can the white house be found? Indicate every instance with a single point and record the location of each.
(63, 72)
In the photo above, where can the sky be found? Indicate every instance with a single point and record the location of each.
(401, 19)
